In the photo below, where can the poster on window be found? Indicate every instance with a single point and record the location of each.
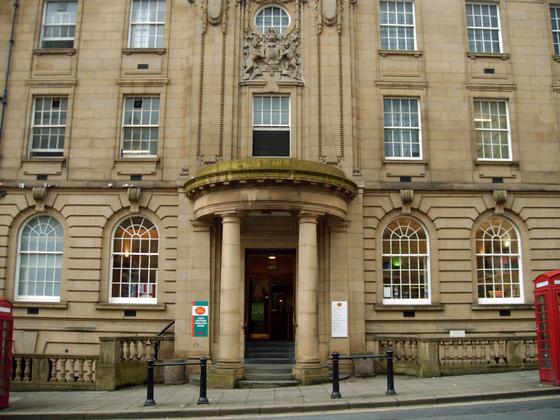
(339, 319)
(200, 318)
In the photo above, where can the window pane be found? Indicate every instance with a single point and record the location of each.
(147, 22)
(272, 17)
(402, 128)
(140, 131)
(483, 28)
(397, 25)
(40, 259)
(59, 24)
(492, 130)
(405, 260)
(130, 262)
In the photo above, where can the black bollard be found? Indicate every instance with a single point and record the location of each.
(335, 377)
(390, 373)
(202, 399)
(150, 384)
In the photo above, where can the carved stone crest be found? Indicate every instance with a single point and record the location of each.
(271, 52)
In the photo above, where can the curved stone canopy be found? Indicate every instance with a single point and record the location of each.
(270, 184)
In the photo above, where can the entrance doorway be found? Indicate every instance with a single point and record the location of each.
(269, 311)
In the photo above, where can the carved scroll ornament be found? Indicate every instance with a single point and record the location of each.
(271, 52)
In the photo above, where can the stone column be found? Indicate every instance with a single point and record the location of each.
(229, 367)
(308, 368)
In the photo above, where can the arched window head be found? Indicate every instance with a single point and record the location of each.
(134, 261)
(498, 262)
(406, 273)
(272, 17)
(39, 268)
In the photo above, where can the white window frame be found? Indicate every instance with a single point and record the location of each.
(37, 298)
(131, 153)
(403, 127)
(272, 127)
(59, 152)
(490, 130)
(133, 300)
(427, 268)
(132, 23)
(399, 25)
(485, 28)
(502, 300)
(555, 32)
(280, 29)
(44, 25)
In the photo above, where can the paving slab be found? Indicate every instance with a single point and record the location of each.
(181, 400)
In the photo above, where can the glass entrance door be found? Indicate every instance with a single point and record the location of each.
(270, 294)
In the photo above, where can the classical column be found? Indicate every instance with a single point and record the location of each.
(308, 368)
(229, 367)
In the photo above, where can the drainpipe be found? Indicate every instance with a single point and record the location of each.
(11, 43)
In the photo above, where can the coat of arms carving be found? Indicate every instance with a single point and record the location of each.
(271, 52)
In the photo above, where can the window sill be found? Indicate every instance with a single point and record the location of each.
(133, 306)
(510, 163)
(158, 51)
(428, 307)
(498, 306)
(45, 165)
(411, 53)
(54, 51)
(405, 161)
(42, 305)
(475, 55)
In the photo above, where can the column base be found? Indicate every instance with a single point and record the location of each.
(224, 377)
(311, 374)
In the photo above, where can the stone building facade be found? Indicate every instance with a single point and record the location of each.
(274, 157)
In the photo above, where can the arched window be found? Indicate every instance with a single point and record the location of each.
(272, 17)
(498, 262)
(406, 273)
(39, 268)
(134, 261)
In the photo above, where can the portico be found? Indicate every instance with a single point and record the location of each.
(306, 194)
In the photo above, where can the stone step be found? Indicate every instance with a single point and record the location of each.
(269, 360)
(268, 376)
(268, 354)
(266, 384)
(269, 368)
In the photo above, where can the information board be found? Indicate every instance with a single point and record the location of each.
(200, 318)
(339, 319)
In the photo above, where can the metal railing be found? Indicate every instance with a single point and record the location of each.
(336, 357)
(151, 363)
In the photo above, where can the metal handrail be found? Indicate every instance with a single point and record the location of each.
(151, 363)
(336, 357)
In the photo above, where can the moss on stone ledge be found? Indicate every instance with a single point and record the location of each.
(288, 170)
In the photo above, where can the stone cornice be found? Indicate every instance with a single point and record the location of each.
(273, 171)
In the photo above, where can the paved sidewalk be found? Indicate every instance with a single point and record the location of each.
(180, 400)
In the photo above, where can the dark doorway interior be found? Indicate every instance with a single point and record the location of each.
(269, 299)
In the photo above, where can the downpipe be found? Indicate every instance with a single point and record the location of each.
(11, 43)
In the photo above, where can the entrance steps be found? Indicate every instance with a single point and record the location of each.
(268, 364)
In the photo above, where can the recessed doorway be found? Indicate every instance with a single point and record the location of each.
(269, 311)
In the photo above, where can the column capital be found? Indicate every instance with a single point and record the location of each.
(309, 216)
(231, 217)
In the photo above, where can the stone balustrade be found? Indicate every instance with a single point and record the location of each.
(40, 372)
(448, 356)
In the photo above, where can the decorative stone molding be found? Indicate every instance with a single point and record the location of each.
(215, 11)
(271, 52)
(39, 195)
(330, 10)
(134, 194)
(277, 171)
(406, 196)
(500, 197)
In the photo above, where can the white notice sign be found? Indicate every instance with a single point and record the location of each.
(339, 319)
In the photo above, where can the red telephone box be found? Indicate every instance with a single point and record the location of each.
(6, 334)
(547, 315)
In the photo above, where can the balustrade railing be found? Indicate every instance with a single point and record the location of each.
(433, 356)
(37, 371)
